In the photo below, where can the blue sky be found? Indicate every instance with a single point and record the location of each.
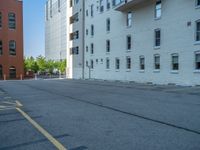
(34, 43)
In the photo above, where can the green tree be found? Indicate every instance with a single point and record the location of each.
(62, 66)
(30, 64)
(41, 62)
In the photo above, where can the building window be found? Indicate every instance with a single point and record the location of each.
(175, 62)
(158, 9)
(86, 31)
(75, 50)
(128, 42)
(92, 48)
(92, 30)
(0, 20)
(128, 62)
(142, 63)
(197, 60)
(1, 48)
(157, 62)
(117, 2)
(108, 24)
(1, 71)
(86, 48)
(74, 35)
(129, 19)
(197, 2)
(101, 6)
(107, 4)
(91, 64)
(59, 6)
(92, 10)
(117, 63)
(12, 48)
(107, 63)
(198, 31)
(108, 46)
(11, 21)
(12, 72)
(157, 38)
(74, 18)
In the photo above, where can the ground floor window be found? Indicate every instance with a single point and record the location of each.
(117, 63)
(12, 72)
(1, 72)
(128, 62)
(142, 63)
(197, 61)
(156, 62)
(175, 62)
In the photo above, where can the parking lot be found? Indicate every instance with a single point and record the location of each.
(98, 115)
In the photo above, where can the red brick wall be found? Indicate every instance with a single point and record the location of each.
(7, 34)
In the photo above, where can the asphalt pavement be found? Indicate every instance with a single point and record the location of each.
(98, 115)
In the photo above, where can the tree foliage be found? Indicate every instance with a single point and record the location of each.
(40, 64)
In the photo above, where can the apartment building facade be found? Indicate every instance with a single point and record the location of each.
(75, 28)
(11, 39)
(154, 41)
(56, 29)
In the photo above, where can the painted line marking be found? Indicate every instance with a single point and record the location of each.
(57, 144)
(11, 103)
(18, 104)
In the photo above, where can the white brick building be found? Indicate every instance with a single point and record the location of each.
(137, 40)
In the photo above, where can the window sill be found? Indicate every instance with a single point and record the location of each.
(141, 71)
(157, 18)
(128, 50)
(197, 43)
(107, 70)
(107, 53)
(107, 32)
(197, 71)
(128, 27)
(175, 72)
(128, 70)
(117, 70)
(156, 47)
(197, 7)
(156, 71)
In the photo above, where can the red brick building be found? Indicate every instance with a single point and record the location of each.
(11, 39)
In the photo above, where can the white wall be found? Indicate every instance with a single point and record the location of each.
(176, 37)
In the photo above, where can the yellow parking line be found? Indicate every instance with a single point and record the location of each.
(57, 144)
(18, 104)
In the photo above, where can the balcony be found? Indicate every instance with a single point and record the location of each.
(128, 4)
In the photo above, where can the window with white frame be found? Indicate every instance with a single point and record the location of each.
(108, 4)
(92, 10)
(142, 63)
(158, 9)
(92, 30)
(157, 37)
(91, 64)
(12, 47)
(117, 63)
(11, 21)
(108, 24)
(157, 62)
(107, 46)
(92, 48)
(175, 62)
(129, 19)
(107, 63)
(128, 42)
(128, 62)
(197, 60)
(198, 31)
